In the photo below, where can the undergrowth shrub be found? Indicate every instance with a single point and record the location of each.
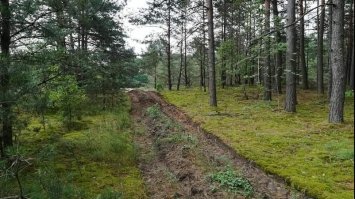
(70, 100)
(47, 153)
(107, 141)
(51, 183)
(349, 93)
(64, 162)
(160, 87)
(230, 180)
(55, 186)
(153, 112)
(123, 121)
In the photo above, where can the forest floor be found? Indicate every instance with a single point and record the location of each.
(96, 158)
(302, 147)
(178, 159)
(175, 146)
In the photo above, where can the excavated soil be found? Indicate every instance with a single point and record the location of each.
(180, 168)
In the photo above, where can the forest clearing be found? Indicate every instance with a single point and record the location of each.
(169, 99)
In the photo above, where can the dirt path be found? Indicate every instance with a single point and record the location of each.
(177, 157)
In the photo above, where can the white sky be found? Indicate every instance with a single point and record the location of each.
(136, 34)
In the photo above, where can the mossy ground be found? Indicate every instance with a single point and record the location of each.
(96, 158)
(303, 147)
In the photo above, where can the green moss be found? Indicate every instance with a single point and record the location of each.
(86, 162)
(302, 147)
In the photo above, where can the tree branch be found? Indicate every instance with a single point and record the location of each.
(289, 25)
(30, 23)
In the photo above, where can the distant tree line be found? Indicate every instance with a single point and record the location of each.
(281, 45)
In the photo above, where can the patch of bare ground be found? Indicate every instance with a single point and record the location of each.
(177, 156)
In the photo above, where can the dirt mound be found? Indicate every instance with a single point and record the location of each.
(177, 156)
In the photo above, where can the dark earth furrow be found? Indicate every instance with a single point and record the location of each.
(178, 156)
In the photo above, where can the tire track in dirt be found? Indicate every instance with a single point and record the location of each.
(177, 170)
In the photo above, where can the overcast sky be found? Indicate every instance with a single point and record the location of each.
(136, 34)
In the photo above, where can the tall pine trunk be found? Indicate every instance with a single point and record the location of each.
(330, 81)
(320, 48)
(278, 56)
(267, 67)
(350, 39)
(187, 81)
(224, 24)
(5, 103)
(352, 70)
(181, 58)
(202, 64)
(303, 65)
(290, 104)
(211, 56)
(336, 114)
(204, 45)
(169, 46)
(352, 58)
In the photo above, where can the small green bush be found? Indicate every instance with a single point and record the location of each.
(160, 87)
(153, 112)
(69, 99)
(234, 183)
(51, 183)
(349, 93)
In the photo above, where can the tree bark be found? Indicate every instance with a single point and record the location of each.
(211, 53)
(204, 45)
(336, 114)
(352, 60)
(169, 46)
(278, 56)
(320, 49)
(181, 58)
(329, 49)
(267, 68)
(224, 24)
(201, 66)
(187, 82)
(352, 86)
(350, 39)
(5, 102)
(290, 104)
(303, 66)
(61, 24)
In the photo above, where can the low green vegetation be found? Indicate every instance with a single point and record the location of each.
(217, 171)
(94, 159)
(230, 180)
(303, 148)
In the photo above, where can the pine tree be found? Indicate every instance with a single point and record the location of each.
(337, 98)
(211, 55)
(290, 105)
